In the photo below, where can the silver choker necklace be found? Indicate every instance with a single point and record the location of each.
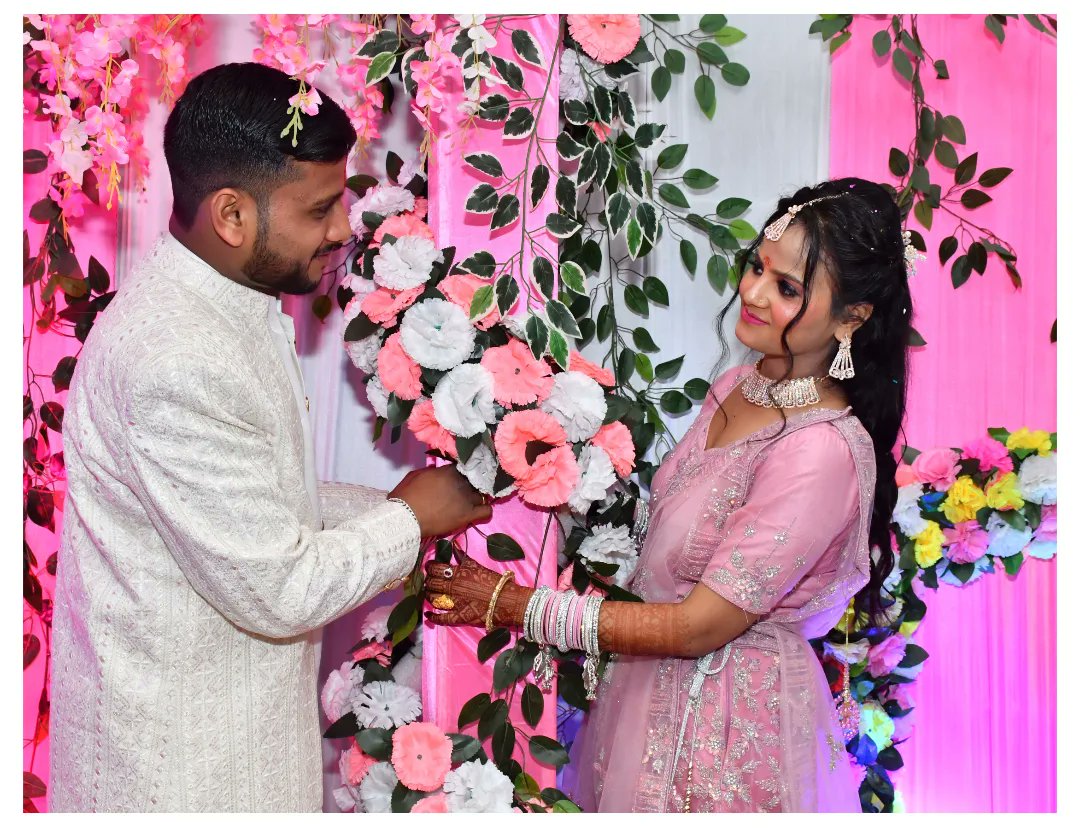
(791, 393)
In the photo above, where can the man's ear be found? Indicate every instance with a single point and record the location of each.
(233, 215)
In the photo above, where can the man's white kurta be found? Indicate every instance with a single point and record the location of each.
(195, 573)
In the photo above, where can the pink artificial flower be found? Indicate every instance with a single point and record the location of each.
(903, 726)
(551, 478)
(905, 475)
(520, 378)
(459, 289)
(378, 650)
(886, 656)
(406, 224)
(354, 765)
(430, 84)
(966, 542)
(335, 693)
(434, 804)
(421, 756)
(1047, 530)
(308, 101)
(601, 129)
(420, 205)
(517, 430)
(423, 423)
(93, 48)
(614, 438)
(937, 467)
(398, 373)
(591, 369)
(422, 23)
(901, 694)
(605, 37)
(990, 453)
(383, 305)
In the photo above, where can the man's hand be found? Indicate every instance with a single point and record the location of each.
(442, 499)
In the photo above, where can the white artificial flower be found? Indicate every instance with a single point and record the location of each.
(337, 691)
(384, 199)
(467, 21)
(892, 612)
(377, 788)
(384, 704)
(345, 799)
(364, 352)
(469, 108)
(906, 512)
(573, 67)
(597, 475)
(464, 400)
(437, 334)
(480, 470)
(577, 401)
(408, 671)
(1038, 479)
(892, 581)
(850, 653)
(412, 168)
(515, 325)
(946, 576)
(477, 70)
(611, 544)
(1004, 540)
(373, 626)
(405, 263)
(478, 788)
(481, 38)
(378, 396)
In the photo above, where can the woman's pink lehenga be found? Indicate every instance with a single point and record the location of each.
(778, 527)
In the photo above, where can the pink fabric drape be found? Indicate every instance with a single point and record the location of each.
(985, 737)
(451, 673)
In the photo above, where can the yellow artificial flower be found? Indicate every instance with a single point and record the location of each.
(1034, 440)
(907, 629)
(1003, 493)
(963, 501)
(877, 724)
(928, 545)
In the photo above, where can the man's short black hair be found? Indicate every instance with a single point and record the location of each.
(225, 131)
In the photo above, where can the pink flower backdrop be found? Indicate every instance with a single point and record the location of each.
(521, 199)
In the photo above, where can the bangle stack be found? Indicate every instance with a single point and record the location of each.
(570, 622)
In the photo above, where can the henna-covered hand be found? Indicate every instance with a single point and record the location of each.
(470, 586)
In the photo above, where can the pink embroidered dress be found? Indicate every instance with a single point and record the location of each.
(778, 526)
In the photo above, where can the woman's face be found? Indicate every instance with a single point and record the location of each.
(772, 292)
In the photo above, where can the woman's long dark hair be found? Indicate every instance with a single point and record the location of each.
(858, 239)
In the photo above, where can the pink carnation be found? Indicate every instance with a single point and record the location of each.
(990, 453)
(421, 756)
(937, 467)
(434, 804)
(459, 289)
(905, 475)
(519, 377)
(551, 479)
(615, 439)
(406, 224)
(605, 37)
(591, 369)
(517, 430)
(966, 542)
(378, 650)
(1047, 530)
(354, 766)
(420, 206)
(383, 305)
(397, 371)
(423, 423)
(884, 657)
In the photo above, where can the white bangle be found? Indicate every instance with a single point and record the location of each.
(411, 512)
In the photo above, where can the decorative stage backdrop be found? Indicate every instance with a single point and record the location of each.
(737, 110)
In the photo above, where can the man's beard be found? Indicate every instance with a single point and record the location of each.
(274, 271)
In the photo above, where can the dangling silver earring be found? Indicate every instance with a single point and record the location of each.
(842, 367)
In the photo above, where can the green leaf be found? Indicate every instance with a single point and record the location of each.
(532, 704)
(729, 208)
(618, 212)
(507, 211)
(34, 161)
(526, 47)
(536, 331)
(660, 82)
(482, 302)
(902, 64)
(976, 254)
(715, 268)
(61, 375)
(605, 106)
(643, 341)
(635, 300)
(573, 277)
(656, 290)
(502, 547)
(924, 213)
(345, 726)
(698, 179)
(670, 369)
(506, 292)
(961, 271)
(403, 799)
(675, 61)
(1053, 332)
(647, 220)
(547, 751)
(675, 402)
(560, 226)
(882, 43)
(711, 53)
(404, 618)
(381, 65)
(624, 367)
(541, 175)
(913, 655)
(376, 742)
(634, 237)
(735, 73)
(742, 229)
(576, 112)
(491, 644)
(560, 317)
(942, 69)
(483, 199)
(945, 153)
(565, 806)
(965, 170)
(605, 323)
(899, 164)
(712, 23)
(494, 107)
(465, 747)
(705, 93)
(995, 28)
(696, 389)
(474, 708)
(671, 156)
(954, 129)
(673, 195)
(567, 147)
(729, 36)
(97, 276)
(502, 744)
(646, 134)
(519, 123)
(994, 176)
(974, 198)
(494, 716)
(486, 163)
(947, 248)
(635, 180)
(688, 254)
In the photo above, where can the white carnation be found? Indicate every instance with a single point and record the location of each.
(1004, 540)
(385, 199)
(377, 788)
(378, 396)
(612, 544)
(408, 671)
(892, 581)
(373, 627)
(364, 352)
(464, 400)
(410, 169)
(577, 401)
(384, 704)
(572, 67)
(597, 475)
(405, 263)
(515, 326)
(480, 469)
(850, 653)
(906, 512)
(437, 334)
(344, 798)
(478, 788)
(1038, 479)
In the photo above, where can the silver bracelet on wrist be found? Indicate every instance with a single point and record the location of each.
(560, 626)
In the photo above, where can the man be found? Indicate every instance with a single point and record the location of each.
(200, 557)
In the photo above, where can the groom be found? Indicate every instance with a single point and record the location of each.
(200, 555)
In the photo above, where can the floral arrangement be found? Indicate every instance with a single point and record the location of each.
(960, 514)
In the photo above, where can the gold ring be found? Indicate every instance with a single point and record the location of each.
(442, 602)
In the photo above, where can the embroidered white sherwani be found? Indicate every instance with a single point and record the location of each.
(195, 571)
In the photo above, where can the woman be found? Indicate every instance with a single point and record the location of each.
(762, 522)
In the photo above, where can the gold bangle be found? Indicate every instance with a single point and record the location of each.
(506, 576)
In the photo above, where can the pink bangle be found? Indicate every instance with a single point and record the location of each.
(577, 615)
